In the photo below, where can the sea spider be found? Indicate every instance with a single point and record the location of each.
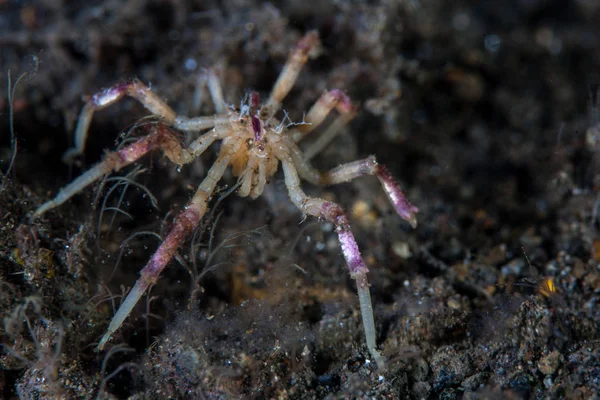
(253, 143)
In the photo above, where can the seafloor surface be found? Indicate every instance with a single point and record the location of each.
(488, 112)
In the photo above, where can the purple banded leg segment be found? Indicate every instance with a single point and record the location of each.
(347, 172)
(405, 209)
(334, 213)
(112, 162)
(358, 270)
(356, 266)
(160, 137)
(182, 228)
(105, 98)
(183, 225)
(351, 253)
(293, 164)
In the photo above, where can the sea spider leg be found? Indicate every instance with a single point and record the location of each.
(160, 138)
(183, 225)
(358, 270)
(290, 72)
(216, 91)
(135, 89)
(329, 100)
(347, 113)
(356, 169)
(150, 100)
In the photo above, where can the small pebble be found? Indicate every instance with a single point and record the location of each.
(402, 250)
(549, 363)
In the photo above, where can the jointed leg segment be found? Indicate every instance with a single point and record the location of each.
(150, 100)
(329, 100)
(330, 133)
(135, 89)
(183, 225)
(290, 71)
(160, 137)
(358, 270)
(356, 169)
(294, 164)
(112, 162)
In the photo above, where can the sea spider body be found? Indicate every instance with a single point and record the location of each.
(254, 163)
(254, 143)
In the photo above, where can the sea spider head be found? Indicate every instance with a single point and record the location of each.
(254, 162)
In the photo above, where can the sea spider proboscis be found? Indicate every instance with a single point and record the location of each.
(253, 142)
